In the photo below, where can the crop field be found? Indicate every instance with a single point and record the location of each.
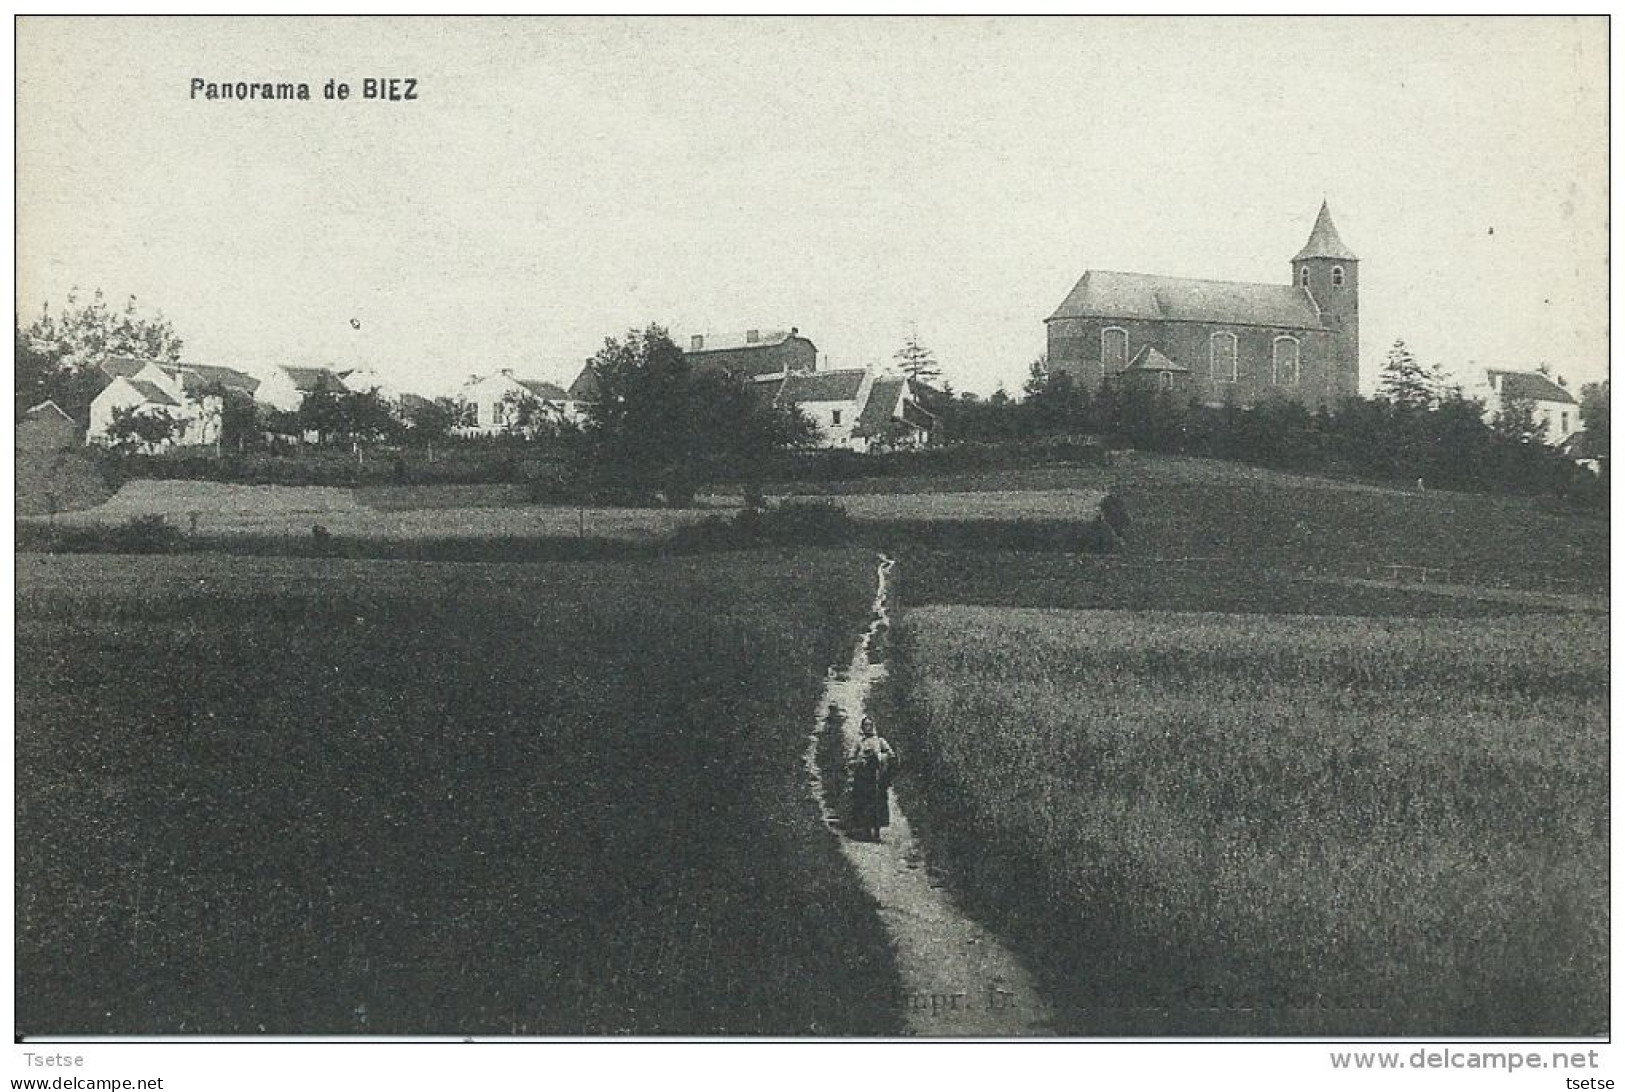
(402, 514)
(1078, 504)
(1295, 825)
(286, 796)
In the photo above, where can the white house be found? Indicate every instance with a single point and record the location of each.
(854, 408)
(1556, 411)
(192, 395)
(286, 385)
(365, 380)
(491, 402)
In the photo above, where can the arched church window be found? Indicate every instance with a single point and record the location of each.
(1286, 361)
(1221, 351)
(1113, 349)
(1303, 277)
(1337, 276)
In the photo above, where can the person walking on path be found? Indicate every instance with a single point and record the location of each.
(873, 764)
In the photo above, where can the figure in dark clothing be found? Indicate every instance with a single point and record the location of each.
(873, 764)
(1115, 514)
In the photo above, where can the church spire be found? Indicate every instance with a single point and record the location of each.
(1323, 240)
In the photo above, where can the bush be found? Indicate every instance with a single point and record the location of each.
(138, 535)
(793, 523)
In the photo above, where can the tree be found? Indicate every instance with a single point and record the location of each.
(342, 414)
(1406, 383)
(523, 414)
(64, 349)
(134, 428)
(1594, 415)
(1037, 376)
(433, 420)
(32, 371)
(1515, 420)
(658, 424)
(916, 361)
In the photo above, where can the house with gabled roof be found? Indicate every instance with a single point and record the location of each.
(46, 427)
(1556, 411)
(892, 417)
(853, 408)
(286, 385)
(193, 395)
(493, 402)
(1220, 342)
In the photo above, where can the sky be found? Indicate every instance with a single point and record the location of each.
(557, 182)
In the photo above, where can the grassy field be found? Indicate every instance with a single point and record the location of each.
(396, 513)
(1239, 824)
(316, 796)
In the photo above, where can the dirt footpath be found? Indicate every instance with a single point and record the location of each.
(959, 981)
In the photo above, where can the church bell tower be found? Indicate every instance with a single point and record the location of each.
(1330, 272)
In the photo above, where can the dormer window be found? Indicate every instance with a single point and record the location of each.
(1303, 277)
(1337, 276)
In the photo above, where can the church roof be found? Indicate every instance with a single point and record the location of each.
(1324, 241)
(1110, 295)
(1148, 359)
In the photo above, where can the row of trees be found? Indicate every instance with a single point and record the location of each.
(1419, 425)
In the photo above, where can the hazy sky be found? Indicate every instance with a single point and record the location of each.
(559, 181)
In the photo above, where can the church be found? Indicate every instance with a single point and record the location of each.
(1220, 342)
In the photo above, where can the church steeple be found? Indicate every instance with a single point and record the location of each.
(1329, 272)
(1324, 241)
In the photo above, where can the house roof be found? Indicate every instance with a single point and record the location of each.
(877, 411)
(1148, 359)
(1324, 241)
(1108, 294)
(550, 391)
(126, 366)
(732, 342)
(1581, 445)
(1530, 386)
(197, 378)
(585, 386)
(306, 380)
(45, 409)
(836, 386)
(152, 392)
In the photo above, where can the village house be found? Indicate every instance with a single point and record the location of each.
(1220, 342)
(493, 402)
(754, 352)
(1556, 412)
(46, 427)
(194, 396)
(286, 385)
(854, 409)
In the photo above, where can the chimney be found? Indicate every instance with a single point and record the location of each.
(696, 343)
(794, 331)
(752, 336)
(508, 372)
